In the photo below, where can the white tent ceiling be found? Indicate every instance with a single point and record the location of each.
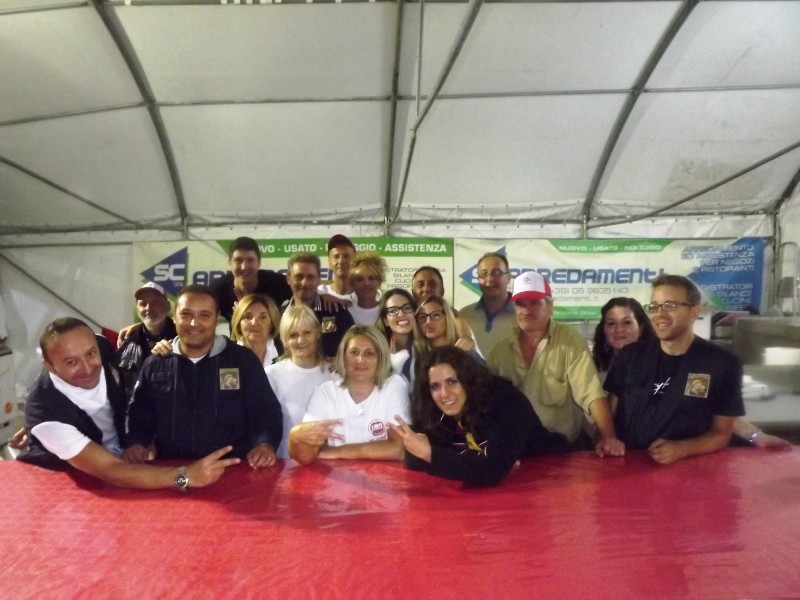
(157, 120)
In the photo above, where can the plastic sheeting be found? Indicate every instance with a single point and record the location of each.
(568, 526)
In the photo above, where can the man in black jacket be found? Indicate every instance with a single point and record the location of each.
(207, 393)
(152, 305)
(75, 414)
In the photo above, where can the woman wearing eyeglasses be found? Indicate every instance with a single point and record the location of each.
(346, 418)
(397, 322)
(469, 424)
(438, 327)
(624, 321)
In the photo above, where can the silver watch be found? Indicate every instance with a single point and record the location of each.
(182, 480)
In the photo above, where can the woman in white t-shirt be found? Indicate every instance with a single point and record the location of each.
(301, 371)
(255, 324)
(348, 418)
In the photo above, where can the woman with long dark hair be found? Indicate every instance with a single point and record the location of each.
(469, 424)
(622, 322)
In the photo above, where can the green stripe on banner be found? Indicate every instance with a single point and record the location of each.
(576, 313)
(605, 246)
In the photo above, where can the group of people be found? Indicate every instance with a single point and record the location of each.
(344, 370)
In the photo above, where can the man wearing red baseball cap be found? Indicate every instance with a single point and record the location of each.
(551, 364)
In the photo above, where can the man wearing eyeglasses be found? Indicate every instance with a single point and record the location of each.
(550, 363)
(677, 395)
(491, 318)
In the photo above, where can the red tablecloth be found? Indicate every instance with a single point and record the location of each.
(570, 526)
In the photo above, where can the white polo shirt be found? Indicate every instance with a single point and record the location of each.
(363, 421)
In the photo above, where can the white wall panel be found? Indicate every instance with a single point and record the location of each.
(534, 47)
(291, 158)
(734, 44)
(60, 61)
(268, 51)
(679, 143)
(112, 158)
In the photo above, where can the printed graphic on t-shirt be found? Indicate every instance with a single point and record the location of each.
(229, 379)
(697, 385)
(378, 429)
(658, 388)
(328, 324)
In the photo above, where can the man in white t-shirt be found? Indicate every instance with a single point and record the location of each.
(340, 254)
(75, 414)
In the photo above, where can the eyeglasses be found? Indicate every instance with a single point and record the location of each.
(394, 311)
(492, 273)
(436, 315)
(653, 307)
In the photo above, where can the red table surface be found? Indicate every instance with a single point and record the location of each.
(725, 525)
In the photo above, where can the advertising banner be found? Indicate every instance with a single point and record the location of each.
(175, 264)
(583, 274)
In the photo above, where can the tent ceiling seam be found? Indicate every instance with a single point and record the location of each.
(387, 199)
(117, 33)
(707, 189)
(63, 190)
(630, 102)
(466, 26)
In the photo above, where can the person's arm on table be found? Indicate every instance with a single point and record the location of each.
(666, 452)
(264, 415)
(752, 434)
(607, 443)
(307, 439)
(391, 449)
(96, 460)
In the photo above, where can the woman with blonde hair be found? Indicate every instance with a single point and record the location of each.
(301, 370)
(367, 274)
(347, 418)
(255, 325)
(438, 327)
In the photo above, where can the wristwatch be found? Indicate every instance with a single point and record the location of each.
(182, 480)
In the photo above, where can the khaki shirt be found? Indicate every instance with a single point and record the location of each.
(561, 382)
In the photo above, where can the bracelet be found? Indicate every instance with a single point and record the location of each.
(754, 435)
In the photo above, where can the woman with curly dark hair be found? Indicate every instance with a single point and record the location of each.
(469, 424)
(622, 322)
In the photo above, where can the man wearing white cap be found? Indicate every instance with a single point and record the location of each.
(551, 364)
(153, 308)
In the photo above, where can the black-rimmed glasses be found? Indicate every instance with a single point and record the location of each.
(394, 311)
(653, 307)
(436, 315)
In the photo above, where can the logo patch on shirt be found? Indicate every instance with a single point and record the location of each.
(328, 324)
(229, 379)
(377, 428)
(697, 385)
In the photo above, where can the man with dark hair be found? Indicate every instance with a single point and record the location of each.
(303, 278)
(427, 281)
(75, 415)
(491, 318)
(246, 277)
(153, 308)
(678, 395)
(341, 252)
(207, 393)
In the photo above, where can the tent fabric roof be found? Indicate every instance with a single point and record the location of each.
(151, 119)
